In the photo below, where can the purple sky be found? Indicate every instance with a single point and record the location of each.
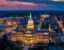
(31, 4)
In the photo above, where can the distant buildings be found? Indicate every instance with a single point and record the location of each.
(29, 33)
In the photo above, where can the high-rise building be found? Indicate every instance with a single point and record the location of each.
(30, 25)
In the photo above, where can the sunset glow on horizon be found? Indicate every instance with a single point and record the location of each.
(32, 5)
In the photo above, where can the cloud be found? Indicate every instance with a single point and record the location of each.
(20, 5)
(34, 1)
(16, 5)
(59, 0)
(3, 0)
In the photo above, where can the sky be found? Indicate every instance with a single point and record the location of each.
(32, 5)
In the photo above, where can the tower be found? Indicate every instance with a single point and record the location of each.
(30, 24)
(39, 26)
(49, 28)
